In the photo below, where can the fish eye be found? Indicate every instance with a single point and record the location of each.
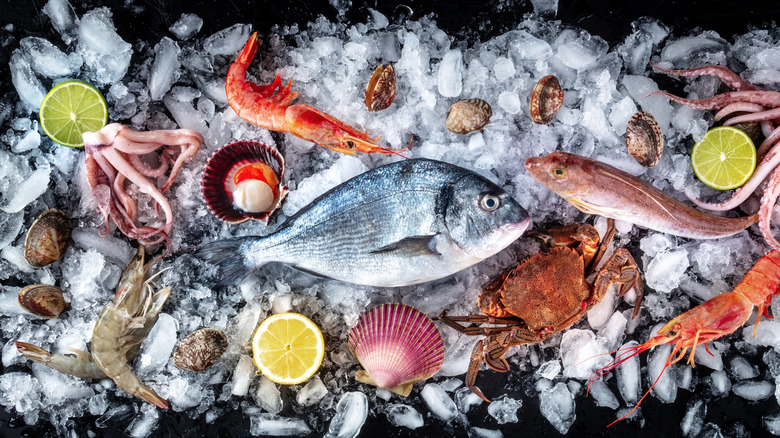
(489, 202)
(559, 172)
(350, 144)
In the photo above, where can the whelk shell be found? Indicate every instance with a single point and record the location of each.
(397, 345)
(644, 139)
(380, 91)
(546, 99)
(47, 238)
(43, 300)
(243, 180)
(468, 115)
(200, 349)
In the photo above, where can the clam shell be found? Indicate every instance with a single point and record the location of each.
(200, 349)
(546, 99)
(218, 185)
(43, 300)
(380, 90)
(644, 139)
(468, 115)
(47, 238)
(397, 345)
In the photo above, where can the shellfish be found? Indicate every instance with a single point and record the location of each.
(397, 345)
(644, 139)
(200, 349)
(243, 180)
(43, 300)
(47, 237)
(468, 115)
(380, 90)
(546, 99)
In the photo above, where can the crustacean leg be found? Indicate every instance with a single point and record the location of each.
(582, 238)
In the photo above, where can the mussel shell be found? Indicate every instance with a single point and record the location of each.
(47, 238)
(644, 139)
(380, 90)
(217, 179)
(200, 349)
(546, 99)
(468, 115)
(397, 345)
(43, 300)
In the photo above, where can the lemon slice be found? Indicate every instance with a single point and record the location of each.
(724, 159)
(288, 348)
(70, 109)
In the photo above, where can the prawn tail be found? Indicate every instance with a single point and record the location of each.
(232, 258)
(149, 395)
(33, 352)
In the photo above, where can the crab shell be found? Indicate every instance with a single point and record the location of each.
(397, 345)
(243, 180)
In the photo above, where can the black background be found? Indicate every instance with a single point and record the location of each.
(609, 19)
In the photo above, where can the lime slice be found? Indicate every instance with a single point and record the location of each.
(724, 159)
(70, 109)
(288, 348)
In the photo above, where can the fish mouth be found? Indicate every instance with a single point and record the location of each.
(518, 226)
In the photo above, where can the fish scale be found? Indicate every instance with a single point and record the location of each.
(403, 223)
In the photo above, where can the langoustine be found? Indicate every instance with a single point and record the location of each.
(121, 328)
(113, 156)
(269, 106)
(746, 103)
(598, 188)
(717, 317)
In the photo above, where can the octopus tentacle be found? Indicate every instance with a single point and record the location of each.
(764, 98)
(756, 116)
(728, 77)
(147, 171)
(737, 107)
(769, 141)
(768, 201)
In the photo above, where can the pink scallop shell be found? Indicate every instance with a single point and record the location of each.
(397, 345)
(217, 179)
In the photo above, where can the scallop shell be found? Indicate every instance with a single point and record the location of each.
(397, 345)
(546, 99)
(47, 238)
(468, 115)
(223, 196)
(380, 91)
(200, 349)
(43, 300)
(644, 139)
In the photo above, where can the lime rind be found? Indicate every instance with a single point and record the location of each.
(71, 108)
(724, 159)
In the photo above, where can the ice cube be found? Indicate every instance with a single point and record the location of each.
(688, 49)
(557, 406)
(450, 74)
(267, 396)
(504, 410)
(602, 395)
(665, 378)
(186, 26)
(185, 114)
(28, 86)
(29, 141)
(351, 414)
(29, 190)
(106, 55)
(549, 370)
(312, 392)
(144, 423)
(719, 383)
(504, 69)
(628, 377)
(510, 102)
(275, 425)
(439, 402)
(10, 224)
(243, 375)
(466, 399)
(613, 331)
(694, 418)
(165, 68)
(227, 41)
(481, 432)
(158, 347)
(582, 354)
(64, 19)
(667, 269)
(113, 248)
(47, 60)
(741, 369)
(545, 7)
(401, 415)
(754, 390)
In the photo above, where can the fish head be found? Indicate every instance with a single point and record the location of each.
(559, 171)
(482, 218)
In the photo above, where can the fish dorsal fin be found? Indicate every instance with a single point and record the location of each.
(411, 246)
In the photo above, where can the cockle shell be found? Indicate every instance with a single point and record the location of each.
(644, 139)
(243, 180)
(380, 91)
(47, 238)
(200, 349)
(397, 345)
(43, 300)
(546, 99)
(468, 115)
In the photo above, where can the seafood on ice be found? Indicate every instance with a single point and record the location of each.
(121, 328)
(545, 294)
(403, 223)
(114, 156)
(269, 106)
(598, 188)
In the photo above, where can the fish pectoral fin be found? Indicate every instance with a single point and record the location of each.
(411, 246)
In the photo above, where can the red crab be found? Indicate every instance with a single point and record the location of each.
(545, 294)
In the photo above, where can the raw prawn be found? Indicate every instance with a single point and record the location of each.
(713, 319)
(268, 106)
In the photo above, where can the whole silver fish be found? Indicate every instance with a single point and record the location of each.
(404, 223)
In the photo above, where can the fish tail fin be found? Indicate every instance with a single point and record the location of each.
(229, 257)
